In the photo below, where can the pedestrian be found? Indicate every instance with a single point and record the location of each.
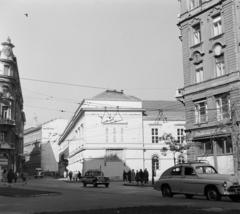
(124, 175)
(79, 175)
(141, 176)
(133, 175)
(4, 176)
(137, 177)
(129, 176)
(10, 177)
(64, 174)
(24, 178)
(15, 177)
(70, 174)
(146, 175)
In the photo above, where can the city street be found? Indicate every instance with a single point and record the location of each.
(76, 197)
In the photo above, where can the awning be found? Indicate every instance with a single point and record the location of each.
(211, 136)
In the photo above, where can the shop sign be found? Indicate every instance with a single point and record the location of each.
(210, 132)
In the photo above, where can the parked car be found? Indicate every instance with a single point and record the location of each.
(38, 173)
(96, 178)
(198, 178)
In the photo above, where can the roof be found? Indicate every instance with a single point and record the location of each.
(115, 95)
(171, 110)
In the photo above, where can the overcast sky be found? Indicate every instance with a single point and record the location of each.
(129, 45)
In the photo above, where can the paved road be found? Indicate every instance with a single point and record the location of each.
(76, 197)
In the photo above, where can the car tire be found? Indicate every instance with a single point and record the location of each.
(189, 195)
(106, 185)
(212, 194)
(94, 183)
(235, 198)
(166, 191)
(84, 184)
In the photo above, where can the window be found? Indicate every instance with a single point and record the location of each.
(189, 171)
(5, 91)
(223, 106)
(122, 134)
(205, 170)
(180, 135)
(114, 134)
(196, 34)
(107, 134)
(199, 72)
(195, 3)
(155, 135)
(3, 136)
(176, 171)
(220, 66)
(6, 70)
(4, 112)
(155, 162)
(223, 146)
(200, 112)
(217, 25)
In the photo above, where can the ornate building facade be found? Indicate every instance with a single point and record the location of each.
(12, 117)
(210, 38)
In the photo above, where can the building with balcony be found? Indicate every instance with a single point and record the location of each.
(12, 117)
(210, 38)
(41, 148)
(113, 132)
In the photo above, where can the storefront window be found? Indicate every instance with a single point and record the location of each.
(224, 145)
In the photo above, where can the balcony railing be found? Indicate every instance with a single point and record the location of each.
(6, 121)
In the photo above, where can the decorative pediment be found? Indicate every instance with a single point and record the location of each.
(217, 48)
(215, 11)
(197, 57)
(195, 21)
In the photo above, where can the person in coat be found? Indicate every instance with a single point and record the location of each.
(137, 177)
(10, 177)
(15, 177)
(4, 176)
(141, 176)
(70, 174)
(124, 175)
(146, 175)
(79, 175)
(129, 175)
(24, 178)
(133, 175)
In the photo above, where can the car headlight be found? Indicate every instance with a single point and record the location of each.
(224, 184)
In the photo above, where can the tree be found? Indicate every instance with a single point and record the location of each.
(174, 145)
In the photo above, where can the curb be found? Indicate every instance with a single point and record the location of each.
(36, 195)
(135, 185)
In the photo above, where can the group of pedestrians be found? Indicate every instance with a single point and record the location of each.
(74, 176)
(139, 176)
(10, 177)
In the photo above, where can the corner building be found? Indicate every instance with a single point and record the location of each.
(12, 117)
(210, 45)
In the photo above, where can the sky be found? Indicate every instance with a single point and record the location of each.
(90, 46)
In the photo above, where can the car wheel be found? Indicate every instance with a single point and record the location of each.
(84, 184)
(106, 185)
(189, 195)
(94, 183)
(166, 191)
(235, 198)
(212, 194)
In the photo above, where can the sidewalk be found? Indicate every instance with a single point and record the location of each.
(139, 185)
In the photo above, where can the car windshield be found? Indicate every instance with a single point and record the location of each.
(97, 173)
(206, 170)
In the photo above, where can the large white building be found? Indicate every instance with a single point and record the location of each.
(41, 145)
(113, 132)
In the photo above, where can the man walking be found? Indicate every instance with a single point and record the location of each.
(10, 177)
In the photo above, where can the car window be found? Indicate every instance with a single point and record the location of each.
(98, 174)
(86, 174)
(205, 170)
(176, 171)
(189, 171)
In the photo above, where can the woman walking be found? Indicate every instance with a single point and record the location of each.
(4, 176)
(10, 177)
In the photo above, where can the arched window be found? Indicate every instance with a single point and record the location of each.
(155, 162)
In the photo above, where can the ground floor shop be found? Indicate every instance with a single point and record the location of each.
(112, 162)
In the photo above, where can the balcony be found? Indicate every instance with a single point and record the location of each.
(6, 121)
(180, 94)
